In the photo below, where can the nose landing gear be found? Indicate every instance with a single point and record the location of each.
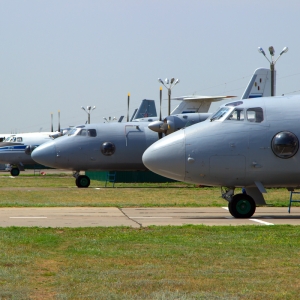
(82, 181)
(239, 205)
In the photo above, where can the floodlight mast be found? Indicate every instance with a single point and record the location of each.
(88, 111)
(272, 64)
(169, 84)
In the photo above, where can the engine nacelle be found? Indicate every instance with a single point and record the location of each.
(29, 149)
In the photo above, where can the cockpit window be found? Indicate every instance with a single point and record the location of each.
(11, 139)
(220, 113)
(73, 131)
(236, 103)
(92, 132)
(19, 139)
(236, 115)
(82, 132)
(255, 114)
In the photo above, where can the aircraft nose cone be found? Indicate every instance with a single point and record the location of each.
(45, 154)
(166, 157)
(156, 126)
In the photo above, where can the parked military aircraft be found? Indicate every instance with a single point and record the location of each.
(105, 146)
(247, 143)
(194, 109)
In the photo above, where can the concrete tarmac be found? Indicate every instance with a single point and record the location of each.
(141, 217)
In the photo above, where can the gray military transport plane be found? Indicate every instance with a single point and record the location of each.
(250, 143)
(119, 146)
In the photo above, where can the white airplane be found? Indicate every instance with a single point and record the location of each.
(15, 150)
(251, 144)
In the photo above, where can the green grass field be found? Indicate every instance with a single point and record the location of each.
(51, 190)
(170, 262)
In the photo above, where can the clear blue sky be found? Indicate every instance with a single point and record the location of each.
(61, 55)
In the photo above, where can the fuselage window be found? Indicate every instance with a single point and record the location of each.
(236, 115)
(108, 148)
(285, 144)
(92, 132)
(255, 114)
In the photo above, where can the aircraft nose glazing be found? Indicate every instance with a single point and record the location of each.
(45, 154)
(166, 157)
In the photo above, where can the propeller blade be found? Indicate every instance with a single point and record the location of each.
(128, 100)
(58, 121)
(51, 122)
(160, 98)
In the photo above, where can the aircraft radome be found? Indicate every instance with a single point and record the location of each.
(120, 146)
(251, 144)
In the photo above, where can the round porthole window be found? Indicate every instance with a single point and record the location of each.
(108, 148)
(285, 144)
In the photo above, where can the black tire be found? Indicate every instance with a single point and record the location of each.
(14, 172)
(83, 181)
(242, 206)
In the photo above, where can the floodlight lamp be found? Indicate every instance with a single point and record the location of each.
(88, 107)
(272, 50)
(82, 108)
(93, 107)
(167, 81)
(160, 80)
(261, 50)
(177, 81)
(284, 50)
(172, 80)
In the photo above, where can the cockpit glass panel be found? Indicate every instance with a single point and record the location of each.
(19, 139)
(220, 113)
(255, 114)
(82, 132)
(236, 115)
(73, 131)
(92, 132)
(236, 103)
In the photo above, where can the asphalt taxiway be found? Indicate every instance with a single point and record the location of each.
(141, 217)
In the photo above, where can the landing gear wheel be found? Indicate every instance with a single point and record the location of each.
(14, 172)
(83, 181)
(242, 206)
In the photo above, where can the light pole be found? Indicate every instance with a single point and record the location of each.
(88, 111)
(272, 64)
(169, 84)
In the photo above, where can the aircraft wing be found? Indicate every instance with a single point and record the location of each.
(203, 98)
(195, 103)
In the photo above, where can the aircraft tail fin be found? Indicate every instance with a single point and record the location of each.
(259, 85)
(146, 109)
